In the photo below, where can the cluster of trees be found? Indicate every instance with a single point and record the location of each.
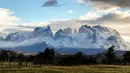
(49, 57)
(44, 58)
(76, 59)
(41, 58)
(109, 57)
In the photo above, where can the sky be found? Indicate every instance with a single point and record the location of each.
(25, 15)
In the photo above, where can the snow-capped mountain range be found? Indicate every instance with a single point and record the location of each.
(86, 38)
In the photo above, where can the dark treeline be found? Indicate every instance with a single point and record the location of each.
(50, 57)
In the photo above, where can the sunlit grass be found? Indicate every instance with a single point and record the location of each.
(68, 69)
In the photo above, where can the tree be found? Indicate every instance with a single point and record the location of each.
(49, 55)
(79, 55)
(126, 57)
(52, 55)
(45, 57)
(20, 59)
(3, 55)
(110, 54)
(39, 59)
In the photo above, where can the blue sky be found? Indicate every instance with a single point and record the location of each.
(32, 10)
(25, 15)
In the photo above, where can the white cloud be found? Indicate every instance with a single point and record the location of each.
(7, 18)
(82, 1)
(96, 13)
(114, 17)
(92, 15)
(70, 11)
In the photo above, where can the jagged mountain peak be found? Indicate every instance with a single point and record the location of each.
(75, 31)
(19, 36)
(42, 29)
(94, 37)
(22, 36)
(60, 34)
(85, 28)
(68, 30)
(43, 32)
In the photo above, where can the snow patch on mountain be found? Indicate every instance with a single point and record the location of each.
(86, 37)
(1, 39)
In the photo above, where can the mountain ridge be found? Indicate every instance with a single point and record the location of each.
(87, 37)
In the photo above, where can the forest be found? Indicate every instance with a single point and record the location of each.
(50, 57)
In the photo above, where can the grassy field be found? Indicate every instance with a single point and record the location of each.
(68, 69)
